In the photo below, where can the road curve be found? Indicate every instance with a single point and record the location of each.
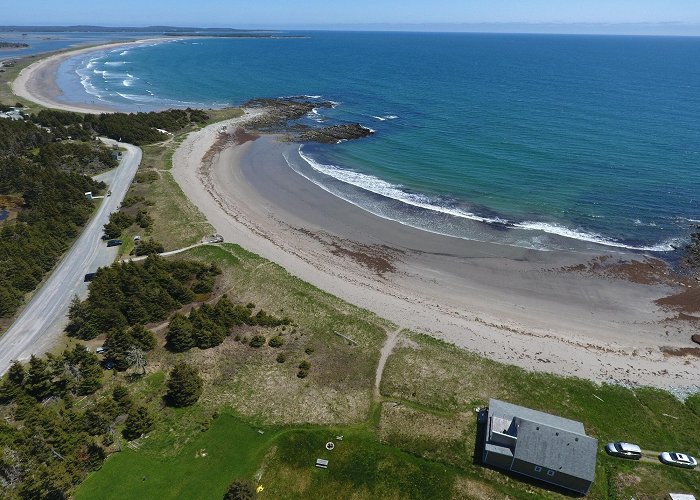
(42, 321)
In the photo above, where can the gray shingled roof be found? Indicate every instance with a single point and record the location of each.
(508, 410)
(557, 449)
(552, 442)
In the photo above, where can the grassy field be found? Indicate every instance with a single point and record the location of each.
(437, 387)
(416, 441)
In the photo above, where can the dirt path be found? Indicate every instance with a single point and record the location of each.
(386, 351)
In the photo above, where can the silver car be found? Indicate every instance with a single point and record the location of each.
(678, 459)
(624, 450)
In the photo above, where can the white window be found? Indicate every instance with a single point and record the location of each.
(538, 468)
(550, 473)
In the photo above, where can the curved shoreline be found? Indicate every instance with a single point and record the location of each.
(509, 304)
(36, 82)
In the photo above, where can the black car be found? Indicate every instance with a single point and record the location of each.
(114, 243)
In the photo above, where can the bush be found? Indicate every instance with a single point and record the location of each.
(257, 341)
(149, 247)
(239, 490)
(304, 365)
(302, 373)
(281, 357)
(276, 341)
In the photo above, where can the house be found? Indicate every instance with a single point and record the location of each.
(541, 446)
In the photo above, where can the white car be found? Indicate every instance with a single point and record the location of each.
(678, 459)
(624, 450)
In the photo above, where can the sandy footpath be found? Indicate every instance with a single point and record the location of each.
(37, 82)
(509, 304)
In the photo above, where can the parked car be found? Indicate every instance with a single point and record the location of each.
(624, 450)
(678, 459)
(114, 243)
(89, 277)
(100, 350)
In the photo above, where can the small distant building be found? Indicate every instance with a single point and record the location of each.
(541, 446)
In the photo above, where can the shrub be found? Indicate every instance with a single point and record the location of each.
(239, 490)
(281, 357)
(304, 365)
(257, 341)
(276, 341)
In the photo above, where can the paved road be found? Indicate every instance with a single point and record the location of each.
(42, 321)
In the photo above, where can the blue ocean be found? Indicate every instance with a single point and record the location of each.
(540, 141)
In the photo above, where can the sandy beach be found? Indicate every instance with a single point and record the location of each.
(509, 304)
(525, 307)
(37, 82)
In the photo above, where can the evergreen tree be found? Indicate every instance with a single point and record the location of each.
(120, 395)
(143, 337)
(16, 373)
(38, 382)
(184, 386)
(138, 422)
(179, 335)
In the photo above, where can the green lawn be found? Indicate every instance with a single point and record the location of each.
(203, 468)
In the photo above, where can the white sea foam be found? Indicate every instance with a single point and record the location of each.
(378, 186)
(124, 53)
(385, 118)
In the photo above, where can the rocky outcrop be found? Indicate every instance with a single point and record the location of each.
(280, 115)
(334, 133)
(279, 112)
(696, 338)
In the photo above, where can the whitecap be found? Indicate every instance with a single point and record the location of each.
(396, 192)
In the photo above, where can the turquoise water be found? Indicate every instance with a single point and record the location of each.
(533, 140)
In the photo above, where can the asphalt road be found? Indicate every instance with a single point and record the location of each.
(43, 320)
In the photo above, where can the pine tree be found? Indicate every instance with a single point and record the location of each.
(184, 386)
(16, 373)
(143, 337)
(179, 335)
(138, 422)
(38, 381)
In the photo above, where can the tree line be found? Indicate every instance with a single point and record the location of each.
(53, 211)
(134, 128)
(126, 294)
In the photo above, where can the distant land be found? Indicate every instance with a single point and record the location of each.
(13, 45)
(125, 29)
